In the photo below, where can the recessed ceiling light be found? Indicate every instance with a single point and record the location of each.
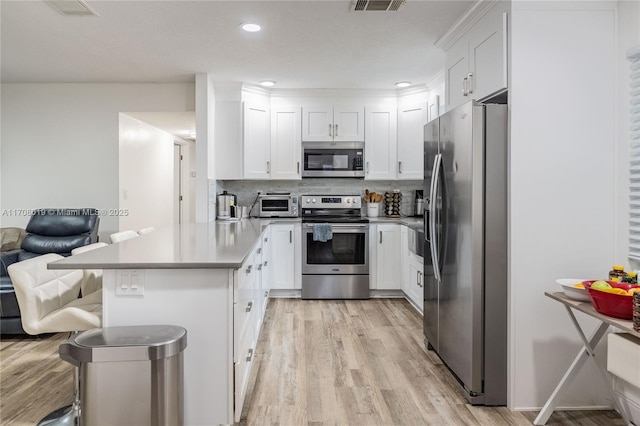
(251, 28)
(267, 83)
(403, 84)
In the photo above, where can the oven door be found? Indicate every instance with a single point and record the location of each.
(347, 252)
(326, 159)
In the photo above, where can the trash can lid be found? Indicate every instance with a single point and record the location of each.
(125, 343)
(137, 335)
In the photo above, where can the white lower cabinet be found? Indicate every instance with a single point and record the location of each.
(412, 272)
(244, 319)
(415, 283)
(385, 258)
(283, 256)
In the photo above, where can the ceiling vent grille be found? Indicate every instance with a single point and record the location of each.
(72, 7)
(377, 5)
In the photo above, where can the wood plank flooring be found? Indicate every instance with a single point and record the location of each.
(317, 363)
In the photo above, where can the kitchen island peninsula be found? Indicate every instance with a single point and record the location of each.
(207, 278)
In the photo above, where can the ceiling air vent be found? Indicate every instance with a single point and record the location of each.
(71, 7)
(377, 5)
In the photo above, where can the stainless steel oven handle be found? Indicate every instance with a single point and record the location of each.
(341, 226)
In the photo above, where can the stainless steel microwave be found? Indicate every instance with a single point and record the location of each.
(277, 205)
(333, 159)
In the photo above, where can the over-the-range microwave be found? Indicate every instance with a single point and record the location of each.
(333, 159)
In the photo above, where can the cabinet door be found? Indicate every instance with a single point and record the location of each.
(257, 146)
(388, 273)
(416, 281)
(282, 258)
(488, 55)
(317, 124)
(411, 123)
(286, 143)
(380, 148)
(456, 71)
(348, 124)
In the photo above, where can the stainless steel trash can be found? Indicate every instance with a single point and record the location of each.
(129, 375)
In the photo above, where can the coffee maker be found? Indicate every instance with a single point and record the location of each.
(226, 205)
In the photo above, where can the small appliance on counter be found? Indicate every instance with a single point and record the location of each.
(226, 206)
(418, 207)
(277, 204)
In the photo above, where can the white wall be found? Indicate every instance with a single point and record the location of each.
(60, 143)
(562, 195)
(146, 185)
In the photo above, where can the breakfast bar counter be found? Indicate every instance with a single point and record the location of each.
(207, 278)
(219, 244)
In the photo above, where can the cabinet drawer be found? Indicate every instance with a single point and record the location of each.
(243, 311)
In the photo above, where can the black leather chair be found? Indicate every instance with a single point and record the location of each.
(48, 231)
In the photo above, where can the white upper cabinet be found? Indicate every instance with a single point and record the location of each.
(476, 64)
(380, 148)
(257, 145)
(411, 121)
(333, 124)
(286, 143)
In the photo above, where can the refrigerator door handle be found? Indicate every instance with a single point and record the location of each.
(437, 163)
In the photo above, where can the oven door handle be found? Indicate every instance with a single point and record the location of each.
(342, 226)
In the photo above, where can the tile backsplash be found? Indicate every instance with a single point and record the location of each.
(247, 190)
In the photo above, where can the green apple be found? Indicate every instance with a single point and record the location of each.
(600, 285)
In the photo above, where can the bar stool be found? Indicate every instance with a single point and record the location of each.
(49, 303)
(116, 237)
(92, 278)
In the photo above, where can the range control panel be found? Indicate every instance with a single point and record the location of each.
(331, 201)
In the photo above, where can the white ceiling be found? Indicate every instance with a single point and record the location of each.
(303, 44)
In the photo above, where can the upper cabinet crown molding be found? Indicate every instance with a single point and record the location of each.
(468, 19)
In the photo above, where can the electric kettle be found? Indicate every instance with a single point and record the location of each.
(226, 205)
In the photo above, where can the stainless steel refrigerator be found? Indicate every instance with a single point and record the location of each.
(465, 260)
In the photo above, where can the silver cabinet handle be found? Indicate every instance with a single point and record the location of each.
(290, 237)
(266, 262)
(268, 167)
(249, 306)
(259, 250)
(298, 168)
(399, 166)
(250, 355)
(380, 237)
(367, 167)
(470, 82)
(260, 267)
(419, 279)
(249, 269)
(336, 132)
(464, 87)
(266, 294)
(330, 130)
(266, 239)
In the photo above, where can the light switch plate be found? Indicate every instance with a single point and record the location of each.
(130, 282)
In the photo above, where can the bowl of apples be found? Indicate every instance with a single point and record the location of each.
(612, 298)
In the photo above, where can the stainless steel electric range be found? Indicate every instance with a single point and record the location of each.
(335, 247)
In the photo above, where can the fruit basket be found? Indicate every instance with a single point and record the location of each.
(610, 304)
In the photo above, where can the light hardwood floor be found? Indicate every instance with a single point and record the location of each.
(317, 363)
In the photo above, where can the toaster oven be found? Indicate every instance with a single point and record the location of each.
(277, 205)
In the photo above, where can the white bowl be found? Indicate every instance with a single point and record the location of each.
(572, 292)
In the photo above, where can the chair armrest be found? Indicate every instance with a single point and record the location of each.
(6, 259)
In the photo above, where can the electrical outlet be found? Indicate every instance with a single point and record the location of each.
(130, 282)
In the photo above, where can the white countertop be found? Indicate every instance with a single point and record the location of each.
(216, 244)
